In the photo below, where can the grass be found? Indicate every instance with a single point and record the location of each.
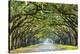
(24, 49)
(67, 47)
(31, 48)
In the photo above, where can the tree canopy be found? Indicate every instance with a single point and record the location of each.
(29, 22)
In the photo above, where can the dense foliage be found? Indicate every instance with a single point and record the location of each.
(32, 22)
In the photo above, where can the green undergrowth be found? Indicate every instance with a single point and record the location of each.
(24, 49)
(67, 47)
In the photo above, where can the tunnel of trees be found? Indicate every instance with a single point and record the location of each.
(32, 22)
